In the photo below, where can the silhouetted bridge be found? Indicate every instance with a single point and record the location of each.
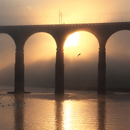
(60, 32)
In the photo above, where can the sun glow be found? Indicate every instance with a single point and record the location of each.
(72, 40)
(37, 46)
(82, 43)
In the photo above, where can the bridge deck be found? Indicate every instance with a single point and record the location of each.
(76, 24)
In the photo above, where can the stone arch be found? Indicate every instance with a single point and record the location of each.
(40, 60)
(81, 72)
(7, 59)
(117, 57)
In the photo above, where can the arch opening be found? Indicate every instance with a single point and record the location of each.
(40, 51)
(81, 59)
(118, 61)
(7, 58)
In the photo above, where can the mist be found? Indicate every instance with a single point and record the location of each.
(80, 72)
(118, 60)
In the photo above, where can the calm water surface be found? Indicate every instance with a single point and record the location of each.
(76, 110)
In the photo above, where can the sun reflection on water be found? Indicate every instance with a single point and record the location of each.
(74, 117)
(67, 115)
(76, 112)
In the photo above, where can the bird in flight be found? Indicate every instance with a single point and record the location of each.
(79, 54)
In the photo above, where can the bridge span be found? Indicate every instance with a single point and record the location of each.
(60, 32)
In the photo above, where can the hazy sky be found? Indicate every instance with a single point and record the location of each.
(77, 70)
(73, 11)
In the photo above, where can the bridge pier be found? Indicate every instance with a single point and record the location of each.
(60, 38)
(19, 70)
(59, 70)
(102, 70)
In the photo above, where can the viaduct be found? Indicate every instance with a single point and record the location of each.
(60, 32)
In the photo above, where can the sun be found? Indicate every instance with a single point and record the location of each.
(72, 40)
(80, 42)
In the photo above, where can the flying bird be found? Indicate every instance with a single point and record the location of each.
(79, 54)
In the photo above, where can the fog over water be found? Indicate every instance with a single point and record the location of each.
(80, 72)
(40, 49)
(42, 109)
(75, 110)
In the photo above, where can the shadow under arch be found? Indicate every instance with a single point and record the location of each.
(81, 61)
(7, 59)
(40, 53)
(118, 61)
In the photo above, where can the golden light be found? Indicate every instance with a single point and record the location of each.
(67, 115)
(38, 47)
(74, 117)
(81, 42)
(7, 51)
(72, 40)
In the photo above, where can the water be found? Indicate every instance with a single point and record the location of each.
(76, 110)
